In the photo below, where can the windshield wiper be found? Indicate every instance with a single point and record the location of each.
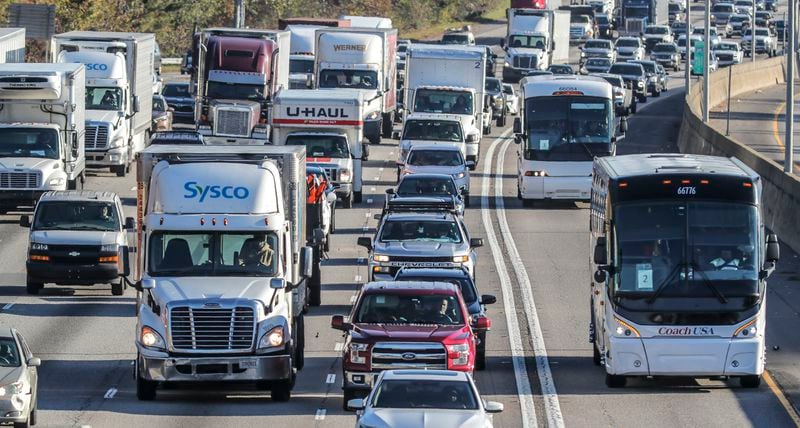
(696, 268)
(663, 286)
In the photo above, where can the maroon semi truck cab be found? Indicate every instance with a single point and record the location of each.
(405, 325)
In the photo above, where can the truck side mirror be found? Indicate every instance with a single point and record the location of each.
(130, 223)
(365, 242)
(364, 151)
(471, 138)
(623, 125)
(147, 284)
(503, 43)
(310, 81)
(25, 221)
(517, 125)
(600, 253)
(773, 248)
(337, 323)
(74, 144)
(277, 283)
(386, 85)
(488, 299)
(476, 242)
(390, 191)
(396, 135)
(356, 404)
(125, 269)
(306, 262)
(318, 236)
(137, 105)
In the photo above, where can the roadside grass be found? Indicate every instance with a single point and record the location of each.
(496, 13)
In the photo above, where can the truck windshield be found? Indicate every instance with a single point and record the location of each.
(521, 41)
(435, 130)
(414, 394)
(321, 146)
(455, 39)
(213, 254)
(597, 44)
(423, 157)
(628, 43)
(579, 19)
(301, 65)
(656, 30)
(691, 249)
(234, 91)
(568, 128)
(414, 185)
(104, 98)
(76, 215)
(409, 309)
(637, 12)
(29, 143)
(357, 79)
(421, 231)
(438, 101)
(665, 48)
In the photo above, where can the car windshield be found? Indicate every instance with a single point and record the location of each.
(413, 185)
(442, 101)
(601, 19)
(627, 43)
(649, 67)
(301, 65)
(656, 30)
(493, 85)
(234, 91)
(726, 47)
(615, 81)
(597, 44)
(739, 18)
(29, 143)
(358, 79)
(520, 41)
(455, 39)
(213, 254)
(724, 8)
(561, 69)
(76, 215)
(467, 286)
(599, 62)
(668, 48)
(172, 90)
(423, 157)
(159, 104)
(9, 353)
(391, 308)
(568, 128)
(674, 7)
(661, 244)
(627, 69)
(432, 129)
(508, 89)
(422, 394)
(579, 19)
(104, 98)
(421, 231)
(321, 146)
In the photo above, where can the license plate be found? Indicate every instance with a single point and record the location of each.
(247, 364)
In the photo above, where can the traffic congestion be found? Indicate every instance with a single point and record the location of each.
(328, 224)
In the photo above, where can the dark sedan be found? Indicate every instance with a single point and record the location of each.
(178, 97)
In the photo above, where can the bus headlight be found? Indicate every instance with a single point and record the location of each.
(749, 329)
(623, 329)
(535, 173)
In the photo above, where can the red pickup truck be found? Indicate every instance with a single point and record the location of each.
(405, 325)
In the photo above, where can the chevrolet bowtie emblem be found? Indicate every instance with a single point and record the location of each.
(74, 254)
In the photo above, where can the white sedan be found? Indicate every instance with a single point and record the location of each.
(512, 100)
(414, 398)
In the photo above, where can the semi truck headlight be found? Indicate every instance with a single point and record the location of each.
(272, 338)
(57, 181)
(151, 339)
(345, 175)
(506, 64)
(117, 142)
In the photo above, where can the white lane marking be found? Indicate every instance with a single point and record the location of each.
(358, 278)
(391, 153)
(133, 188)
(331, 378)
(320, 416)
(110, 393)
(360, 260)
(353, 298)
(365, 229)
(367, 214)
(524, 392)
(552, 407)
(372, 189)
(369, 200)
(338, 346)
(8, 306)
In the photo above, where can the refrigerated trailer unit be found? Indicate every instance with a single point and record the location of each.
(12, 45)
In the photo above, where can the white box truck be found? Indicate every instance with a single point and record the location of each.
(535, 38)
(450, 80)
(363, 59)
(41, 131)
(221, 233)
(119, 92)
(12, 45)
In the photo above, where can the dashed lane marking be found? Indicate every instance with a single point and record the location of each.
(110, 393)
(331, 378)
(8, 306)
(320, 416)
(338, 346)
(358, 278)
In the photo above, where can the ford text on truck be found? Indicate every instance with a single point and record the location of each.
(329, 124)
(119, 92)
(301, 58)
(363, 59)
(221, 229)
(534, 40)
(449, 80)
(41, 131)
(237, 72)
(12, 45)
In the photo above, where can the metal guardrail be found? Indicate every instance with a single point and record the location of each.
(171, 61)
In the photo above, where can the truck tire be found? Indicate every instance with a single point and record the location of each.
(300, 346)
(33, 287)
(120, 170)
(145, 389)
(376, 139)
(387, 124)
(480, 353)
(466, 199)
(615, 381)
(750, 381)
(23, 424)
(315, 282)
(357, 196)
(347, 201)
(281, 391)
(118, 288)
(347, 396)
(633, 107)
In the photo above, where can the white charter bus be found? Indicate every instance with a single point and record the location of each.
(680, 263)
(564, 123)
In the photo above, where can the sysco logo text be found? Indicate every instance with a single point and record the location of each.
(194, 190)
(97, 67)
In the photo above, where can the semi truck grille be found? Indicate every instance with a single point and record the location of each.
(524, 61)
(412, 355)
(96, 137)
(212, 329)
(232, 123)
(20, 180)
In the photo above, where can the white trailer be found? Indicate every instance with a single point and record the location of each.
(437, 77)
(222, 245)
(534, 39)
(363, 59)
(301, 56)
(367, 21)
(330, 125)
(41, 131)
(12, 45)
(120, 71)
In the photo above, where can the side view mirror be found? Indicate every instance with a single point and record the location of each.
(337, 323)
(74, 144)
(493, 407)
(357, 404)
(503, 43)
(125, 269)
(365, 242)
(488, 299)
(137, 105)
(476, 242)
(390, 191)
(34, 362)
(171, 109)
(377, 216)
(482, 323)
(600, 253)
(494, 56)
(317, 236)
(600, 276)
(310, 81)
(25, 221)
(130, 223)
(364, 151)
(623, 125)
(396, 135)
(277, 283)
(147, 284)
(306, 262)
(471, 165)
(517, 125)
(773, 253)
(330, 197)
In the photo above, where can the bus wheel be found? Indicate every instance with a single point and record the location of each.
(750, 381)
(615, 381)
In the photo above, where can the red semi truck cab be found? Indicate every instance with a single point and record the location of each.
(528, 4)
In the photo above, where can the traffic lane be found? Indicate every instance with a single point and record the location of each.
(554, 244)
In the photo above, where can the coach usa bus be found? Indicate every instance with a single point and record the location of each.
(680, 262)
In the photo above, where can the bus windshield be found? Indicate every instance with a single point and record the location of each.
(678, 249)
(568, 128)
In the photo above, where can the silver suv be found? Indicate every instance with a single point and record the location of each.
(426, 240)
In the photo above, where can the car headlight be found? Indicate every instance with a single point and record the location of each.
(56, 181)
(583, 54)
(35, 246)
(380, 258)
(373, 115)
(459, 175)
(640, 84)
(110, 248)
(356, 350)
(460, 259)
(12, 389)
(623, 329)
(498, 101)
(344, 175)
(274, 337)
(149, 338)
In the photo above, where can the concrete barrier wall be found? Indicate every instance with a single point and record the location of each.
(781, 195)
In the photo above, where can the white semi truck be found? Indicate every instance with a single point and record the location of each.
(330, 125)
(301, 56)
(119, 92)
(449, 79)
(12, 45)
(41, 131)
(221, 233)
(535, 38)
(363, 59)
(368, 21)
